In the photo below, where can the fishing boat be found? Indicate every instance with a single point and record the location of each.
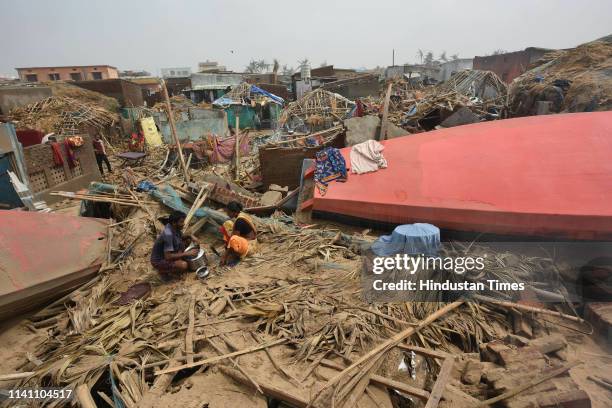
(541, 176)
(43, 256)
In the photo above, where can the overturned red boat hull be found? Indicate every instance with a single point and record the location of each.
(43, 256)
(548, 176)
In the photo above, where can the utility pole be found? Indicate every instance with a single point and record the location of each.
(393, 60)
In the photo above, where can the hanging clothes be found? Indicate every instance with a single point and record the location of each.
(367, 157)
(330, 166)
(70, 154)
(57, 154)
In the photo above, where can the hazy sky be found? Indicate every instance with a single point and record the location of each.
(152, 34)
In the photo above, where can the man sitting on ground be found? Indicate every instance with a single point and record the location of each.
(168, 251)
(240, 236)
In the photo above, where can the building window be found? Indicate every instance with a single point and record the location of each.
(54, 77)
(172, 72)
(96, 75)
(32, 78)
(75, 76)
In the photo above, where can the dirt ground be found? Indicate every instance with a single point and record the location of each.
(210, 386)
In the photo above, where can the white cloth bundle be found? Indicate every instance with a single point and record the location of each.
(367, 157)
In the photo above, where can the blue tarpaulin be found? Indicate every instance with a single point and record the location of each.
(224, 101)
(412, 239)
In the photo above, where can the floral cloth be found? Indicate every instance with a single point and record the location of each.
(330, 166)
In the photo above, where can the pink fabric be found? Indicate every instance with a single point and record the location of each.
(223, 149)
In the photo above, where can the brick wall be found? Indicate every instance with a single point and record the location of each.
(45, 176)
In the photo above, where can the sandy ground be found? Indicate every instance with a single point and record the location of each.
(211, 387)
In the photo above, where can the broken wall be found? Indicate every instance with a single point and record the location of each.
(202, 123)
(44, 176)
(14, 97)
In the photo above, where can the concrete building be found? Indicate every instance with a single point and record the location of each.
(208, 87)
(211, 66)
(423, 72)
(318, 77)
(67, 73)
(509, 65)
(358, 87)
(181, 72)
(448, 68)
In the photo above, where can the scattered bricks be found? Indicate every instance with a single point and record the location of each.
(549, 344)
(521, 403)
(516, 340)
(472, 372)
(492, 350)
(271, 198)
(454, 397)
(564, 399)
(525, 354)
(521, 325)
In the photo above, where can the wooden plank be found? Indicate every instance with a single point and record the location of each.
(440, 385)
(384, 381)
(189, 332)
(220, 358)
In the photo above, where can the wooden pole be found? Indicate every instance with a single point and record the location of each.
(173, 129)
(385, 117)
(361, 363)
(237, 153)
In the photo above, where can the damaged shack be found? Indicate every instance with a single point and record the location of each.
(252, 106)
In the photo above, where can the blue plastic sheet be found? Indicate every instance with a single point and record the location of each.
(169, 197)
(412, 239)
(224, 101)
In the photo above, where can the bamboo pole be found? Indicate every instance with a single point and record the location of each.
(237, 153)
(173, 129)
(361, 367)
(84, 397)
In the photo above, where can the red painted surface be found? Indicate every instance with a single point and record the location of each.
(41, 254)
(29, 137)
(542, 175)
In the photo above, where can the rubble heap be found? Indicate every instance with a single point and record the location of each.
(481, 92)
(317, 109)
(63, 115)
(574, 80)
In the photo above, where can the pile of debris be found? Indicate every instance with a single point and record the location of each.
(574, 80)
(64, 89)
(63, 115)
(316, 110)
(478, 95)
(180, 104)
